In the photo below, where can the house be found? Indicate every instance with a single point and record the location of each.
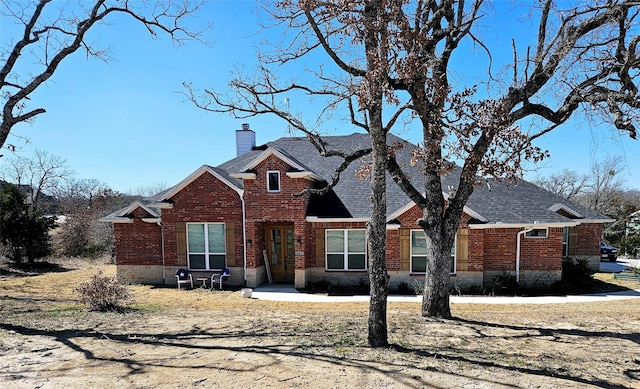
(246, 215)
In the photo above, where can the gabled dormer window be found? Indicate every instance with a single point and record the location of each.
(273, 181)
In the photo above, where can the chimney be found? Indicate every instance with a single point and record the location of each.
(245, 140)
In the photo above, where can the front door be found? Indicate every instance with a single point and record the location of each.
(281, 251)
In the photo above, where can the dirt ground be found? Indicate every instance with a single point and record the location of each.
(203, 338)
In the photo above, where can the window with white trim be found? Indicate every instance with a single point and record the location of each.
(536, 233)
(206, 246)
(273, 181)
(419, 253)
(346, 250)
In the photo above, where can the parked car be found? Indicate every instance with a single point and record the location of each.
(608, 252)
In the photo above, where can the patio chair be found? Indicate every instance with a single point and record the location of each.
(184, 277)
(220, 278)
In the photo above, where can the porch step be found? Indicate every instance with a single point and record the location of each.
(626, 276)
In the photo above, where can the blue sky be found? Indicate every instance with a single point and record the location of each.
(126, 124)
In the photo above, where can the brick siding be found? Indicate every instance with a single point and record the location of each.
(138, 243)
(209, 200)
(205, 200)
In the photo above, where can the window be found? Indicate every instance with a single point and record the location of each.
(273, 181)
(565, 242)
(419, 253)
(206, 246)
(346, 250)
(536, 233)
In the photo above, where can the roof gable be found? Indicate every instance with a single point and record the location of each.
(220, 175)
(121, 216)
(399, 212)
(301, 171)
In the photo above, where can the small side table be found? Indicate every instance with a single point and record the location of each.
(204, 281)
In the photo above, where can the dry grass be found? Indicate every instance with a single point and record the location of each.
(172, 338)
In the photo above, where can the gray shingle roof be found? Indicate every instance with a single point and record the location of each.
(497, 202)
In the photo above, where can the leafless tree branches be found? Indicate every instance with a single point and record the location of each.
(399, 53)
(52, 31)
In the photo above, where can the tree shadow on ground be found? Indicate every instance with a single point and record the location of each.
(557, 334)
(12, 270)
(252, 342)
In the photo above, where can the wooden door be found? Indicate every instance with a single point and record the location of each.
(281, 252)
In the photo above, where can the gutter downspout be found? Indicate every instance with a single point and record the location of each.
(244, 239)
(520, 233)
(164, 270)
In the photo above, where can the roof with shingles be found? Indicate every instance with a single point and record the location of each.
(520, 203)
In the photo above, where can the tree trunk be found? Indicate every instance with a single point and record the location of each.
(440, 236)
(435, 295)
(377, 241)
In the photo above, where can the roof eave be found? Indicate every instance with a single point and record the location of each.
(596, 221)
(311, 176)
(114, 219)
(315, 219)
(161, 205)
(522, 225)
(244, 176)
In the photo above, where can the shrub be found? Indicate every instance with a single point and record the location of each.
(630, 245)
(363, 284)
(103, 293)
(403, 287)
(577, 272)
(23, 230)
(505, 284)
(417, 286)
(321, 286)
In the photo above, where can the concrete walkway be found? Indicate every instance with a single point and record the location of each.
(289, 293)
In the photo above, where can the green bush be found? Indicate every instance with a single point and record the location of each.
(577, 272)
(24, 231)
(630, 245)
(103, 293)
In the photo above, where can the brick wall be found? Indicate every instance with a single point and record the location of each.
(283, 207)
(139, 242)
(475, 262)
(499, 249)
(205, 200)
(588, 239)
(393, 250)
(542, 253)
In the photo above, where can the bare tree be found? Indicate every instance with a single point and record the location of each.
(82, 202)
(595, 190)
(365, 112)
(568, 184)
(582, 60)
(73, 193)
(41, 174)
(145, 191)
(53, 30)
(605, 184)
